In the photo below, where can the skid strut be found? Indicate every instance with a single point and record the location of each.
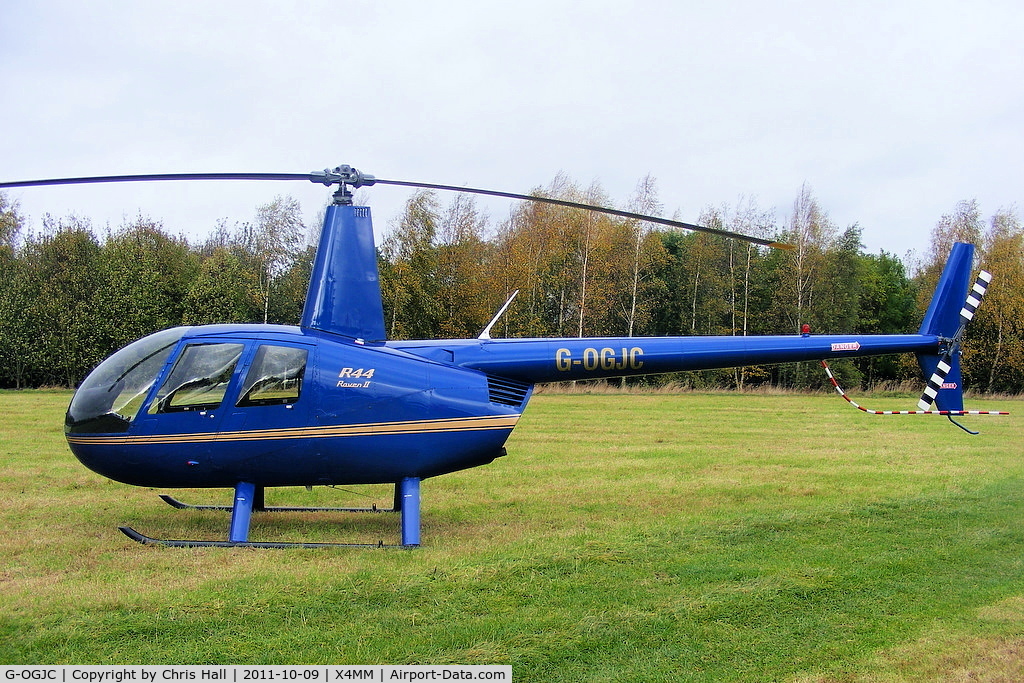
(258, 505)
(249, 498)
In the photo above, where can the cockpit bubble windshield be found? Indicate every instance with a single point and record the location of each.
(112, 394)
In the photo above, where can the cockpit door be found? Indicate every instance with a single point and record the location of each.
(191, 398)
(275, 391)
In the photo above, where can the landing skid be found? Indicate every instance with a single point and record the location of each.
(249, 498)
(149, 540)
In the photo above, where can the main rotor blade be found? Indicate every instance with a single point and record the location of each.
(590, 207)
(157, 176)
(352, 177)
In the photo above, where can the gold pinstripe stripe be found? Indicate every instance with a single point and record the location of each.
(367, 429)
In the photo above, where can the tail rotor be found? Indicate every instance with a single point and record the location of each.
(937, 380)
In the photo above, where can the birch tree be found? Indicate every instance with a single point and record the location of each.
(644, 201)
(464, 272)
(275, 241)
(812, 233)
(994, 349)
(410, 282)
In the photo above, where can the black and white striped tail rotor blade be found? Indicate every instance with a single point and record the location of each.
(935, 383)
(974, 297)
(970, 307)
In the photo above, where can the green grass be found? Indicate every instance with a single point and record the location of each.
(707, 537)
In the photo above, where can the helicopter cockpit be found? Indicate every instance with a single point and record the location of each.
(115, 393)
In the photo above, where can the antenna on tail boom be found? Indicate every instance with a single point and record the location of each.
(486, 334)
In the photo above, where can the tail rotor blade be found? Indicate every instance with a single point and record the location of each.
(935, 383)
(975, 296)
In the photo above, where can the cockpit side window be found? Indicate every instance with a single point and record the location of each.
(275, 376)
(199, 379)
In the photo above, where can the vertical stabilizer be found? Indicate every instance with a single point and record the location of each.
(943, 316)
(344, 287)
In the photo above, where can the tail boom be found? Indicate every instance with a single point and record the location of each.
(556, 360)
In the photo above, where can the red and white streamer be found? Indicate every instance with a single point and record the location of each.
(839, 390)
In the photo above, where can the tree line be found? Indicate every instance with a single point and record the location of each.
(70, 296)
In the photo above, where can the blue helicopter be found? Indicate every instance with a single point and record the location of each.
(333, 402)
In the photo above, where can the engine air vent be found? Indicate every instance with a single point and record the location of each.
(507, 392)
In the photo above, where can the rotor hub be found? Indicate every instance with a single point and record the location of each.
(343, 176)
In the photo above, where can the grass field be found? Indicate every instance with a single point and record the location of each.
(706, 537)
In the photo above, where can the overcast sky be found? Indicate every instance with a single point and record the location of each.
(891, 111)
